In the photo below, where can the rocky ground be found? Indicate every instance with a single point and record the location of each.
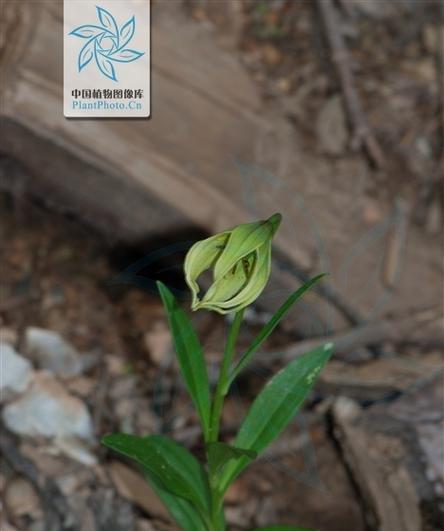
(83, 356)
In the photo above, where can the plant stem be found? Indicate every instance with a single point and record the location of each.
(220, 392)
(217, 519)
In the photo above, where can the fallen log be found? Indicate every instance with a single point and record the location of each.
(137, 177)
(394, 454)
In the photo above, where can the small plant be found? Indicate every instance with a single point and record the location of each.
(240, 260)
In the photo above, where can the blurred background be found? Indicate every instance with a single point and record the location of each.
(330, 112)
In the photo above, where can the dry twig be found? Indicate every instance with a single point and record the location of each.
(362, 135)
(397, 331)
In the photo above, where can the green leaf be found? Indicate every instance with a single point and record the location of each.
(178, 471)
(269, 327)
(190, 356)
(220, 453)
(276, 405)
(180, 509)
(282, 528)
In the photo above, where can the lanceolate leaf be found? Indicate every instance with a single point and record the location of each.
(180, 509)
(178, 471)
(189, 355)
(219, 454)
(270, 326)
(276, 405)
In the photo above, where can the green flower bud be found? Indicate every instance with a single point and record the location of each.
(241, 262)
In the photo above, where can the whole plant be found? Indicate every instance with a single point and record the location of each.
(193, 492)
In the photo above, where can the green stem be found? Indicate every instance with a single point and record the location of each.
(217, 519)
(220, 392)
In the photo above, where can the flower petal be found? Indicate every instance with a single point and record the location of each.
(201, 257)
(232, 283)
(245, 239)
(255, 284)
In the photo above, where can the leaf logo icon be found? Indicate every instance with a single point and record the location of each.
(106, 43)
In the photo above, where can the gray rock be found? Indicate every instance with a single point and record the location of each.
(51, 352)
(15, 372)
(46, 409)
(76, 449)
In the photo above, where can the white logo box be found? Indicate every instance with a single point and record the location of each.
(106, 58)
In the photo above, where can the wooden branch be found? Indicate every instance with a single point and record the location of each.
(362, 135)
(397, 331)
(394, 455)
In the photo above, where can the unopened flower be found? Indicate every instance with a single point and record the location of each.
(240, 259)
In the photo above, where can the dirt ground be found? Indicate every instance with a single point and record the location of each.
(60, 275)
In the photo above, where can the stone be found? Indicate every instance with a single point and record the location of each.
(15, 372)
(81, 386)
(51, 352)
(21, 498)
(376, 10)
(158, 343)
(76, 449)
(144, 525)
(131, 486)
(346, 409)
(47, 409)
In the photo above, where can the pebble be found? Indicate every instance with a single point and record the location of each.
(47, 409)
(144, 525)
(51, 352)
(346, 409)
(81, 386)
(76, 449)
(15, 372)
(21, 498)
(158, 343)
(131, 486)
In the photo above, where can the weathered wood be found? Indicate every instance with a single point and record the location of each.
(376, 380)
(395, 455)
(178, 155)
